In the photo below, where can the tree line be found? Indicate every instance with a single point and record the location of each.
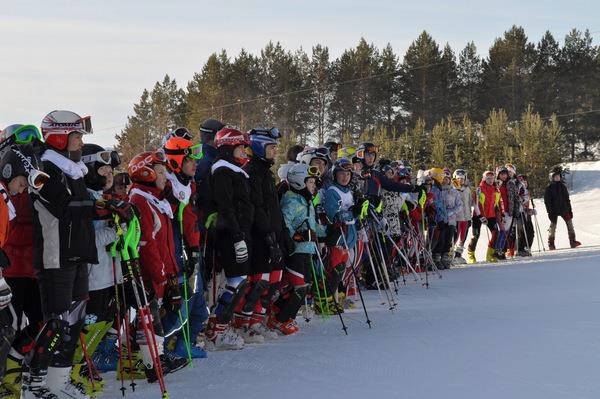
(433, 106)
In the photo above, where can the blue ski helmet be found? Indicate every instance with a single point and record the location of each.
(260, 138)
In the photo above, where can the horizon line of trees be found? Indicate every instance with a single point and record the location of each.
(368, 91)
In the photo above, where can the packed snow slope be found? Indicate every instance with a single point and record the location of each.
(527, 329)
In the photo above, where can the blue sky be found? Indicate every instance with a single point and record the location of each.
(96, 57)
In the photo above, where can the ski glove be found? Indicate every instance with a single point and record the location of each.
(5, 293)
(275, 253)
(193, 260)
(241, 251)
(172, 300)
(4, 260)
(121, 208)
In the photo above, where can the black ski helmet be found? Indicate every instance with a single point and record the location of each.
(92, 179)
(18, 161)
(209, 128)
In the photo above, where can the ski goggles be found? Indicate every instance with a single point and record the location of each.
(105, 157)
(313, 171)
(194, 152)
(460, 174)
(26, 134)
(344, 164)
(273, 132)
(367, 150)
(181, 132)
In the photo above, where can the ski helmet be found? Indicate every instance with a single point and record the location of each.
(230, 137)
(403, 172)
(176, 149)
(298, 173)
(366, 148)
(260, 138)
(18, 160)
(210, 127)
(94, 157)
(403, 163)
(437, 174)
(459, 174)
(342, 165)
(311, 153)
(488, 175)
(140, 167)
(58, 125)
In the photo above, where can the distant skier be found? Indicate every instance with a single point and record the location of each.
(558, 204)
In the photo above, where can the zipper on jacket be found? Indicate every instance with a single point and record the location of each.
(70, 229)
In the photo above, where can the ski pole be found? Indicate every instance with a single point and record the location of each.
(88, 361)
(318, 291)
(374, 260)
(113, 253)
(537, 226)
(356, 279)
(129, 254)
(185, 328)
(333, 293)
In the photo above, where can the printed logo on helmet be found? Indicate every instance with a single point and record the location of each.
(7, 171)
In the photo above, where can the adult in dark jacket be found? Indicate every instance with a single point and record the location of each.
(268, 235)
(208, 130)
(230, 197)
(64, 244)
(558, 204)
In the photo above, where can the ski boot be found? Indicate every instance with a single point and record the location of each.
(180, 349)
(458, 259)
(219, 336)
(241, 324)
(446, 260)
(59, 380)
(258, 325)
(437, 260)
(490, 255)
(499, 254)
(35, 386)
(551, 246)
(471, 257)
(286, 328)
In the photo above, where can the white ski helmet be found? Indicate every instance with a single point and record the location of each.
(309, 154)
(298, 173)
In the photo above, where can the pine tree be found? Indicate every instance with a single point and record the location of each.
(319, 78)
(468, 82)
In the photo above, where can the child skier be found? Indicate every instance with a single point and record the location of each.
(487, 199)
(300, 221)
(230, 198)
(463, 215)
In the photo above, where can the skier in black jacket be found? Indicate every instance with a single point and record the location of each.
(64, 242)
(268, 238)
(230, 198)
(558, 204)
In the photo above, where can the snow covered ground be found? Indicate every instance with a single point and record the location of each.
(520, 329)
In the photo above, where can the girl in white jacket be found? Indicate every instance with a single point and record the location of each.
(463, 216)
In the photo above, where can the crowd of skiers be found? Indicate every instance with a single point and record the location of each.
(197, 247)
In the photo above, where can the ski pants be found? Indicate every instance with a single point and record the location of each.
(491, 225)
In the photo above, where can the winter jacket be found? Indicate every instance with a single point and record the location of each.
(63, 213)
(378, 181)
(452, 202)
(337, 203)
(513, 204)
(503, 199)
(299, 215)
(556, 198)
(19, 244)
(488, 198)
(230, 197)
(268, 218)
(101, 276)
(157, 248)
(464, 213)
(202, 178)
(439, 203)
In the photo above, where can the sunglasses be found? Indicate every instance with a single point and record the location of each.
(106, 157)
